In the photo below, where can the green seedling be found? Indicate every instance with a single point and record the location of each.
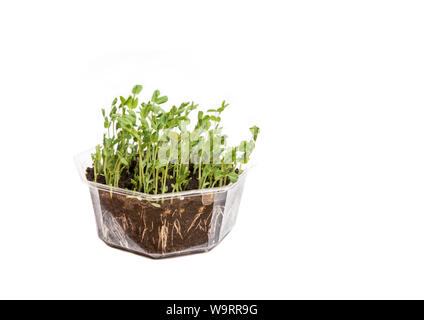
(159, 151)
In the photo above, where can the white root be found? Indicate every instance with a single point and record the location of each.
(195, 220)
(163, 237)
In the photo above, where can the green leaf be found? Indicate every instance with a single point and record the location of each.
(112, 113)
(155, 95)
(218, 174)
(135, 135)
(134, 103)
(106, 123)
(144, 123)
(162, 99)
(223, 106)
(255, 131)
(122, 158)
(137, 89)
(233, 176)
(114, 101)
(129, 101)
(206, 124)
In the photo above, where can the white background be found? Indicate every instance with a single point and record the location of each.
(334, 208)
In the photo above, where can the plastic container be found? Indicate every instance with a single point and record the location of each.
(160, 226)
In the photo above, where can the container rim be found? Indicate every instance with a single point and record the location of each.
(81, 167)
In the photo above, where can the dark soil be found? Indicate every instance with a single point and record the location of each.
(176, 225)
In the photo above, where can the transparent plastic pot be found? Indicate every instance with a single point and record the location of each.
(160, 226)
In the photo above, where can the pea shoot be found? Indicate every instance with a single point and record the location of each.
(148, 149)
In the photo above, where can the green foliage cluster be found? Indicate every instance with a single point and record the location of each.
(158, 147)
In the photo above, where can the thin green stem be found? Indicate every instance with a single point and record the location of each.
(141, 169)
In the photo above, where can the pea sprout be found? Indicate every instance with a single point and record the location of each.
(160, 153)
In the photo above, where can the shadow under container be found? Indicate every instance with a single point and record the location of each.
(160, 226)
